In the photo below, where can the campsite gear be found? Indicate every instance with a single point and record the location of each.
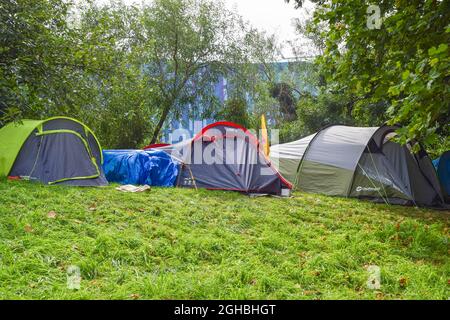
(131, 188)
(442, 165)
(138, 167)
(58, 150)
(226, 156)
(359, 162)
(264, 136)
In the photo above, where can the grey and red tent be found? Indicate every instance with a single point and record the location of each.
(225, 156)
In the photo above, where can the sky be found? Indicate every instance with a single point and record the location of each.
(272, 16)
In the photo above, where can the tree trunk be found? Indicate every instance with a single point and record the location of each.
(160, 123)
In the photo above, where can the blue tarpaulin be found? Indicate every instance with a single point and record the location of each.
(138, 167)
(442, 165)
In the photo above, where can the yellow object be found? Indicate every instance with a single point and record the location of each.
(264, 136)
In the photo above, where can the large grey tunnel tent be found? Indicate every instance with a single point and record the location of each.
(359, 162)
(54, 151)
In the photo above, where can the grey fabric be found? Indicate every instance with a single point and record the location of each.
(243, 175)
(380, 134)
(95, 150)
(377, 177)
(397, 174)
(331, 159)
(286, 157)
(27, 156)
(396, 155)
(339, 146)
(324, 179)
(418, 169)
(291, 150)
(421, 180)
(428, 170)
(65, 124)
(62, 155)
(287, 167)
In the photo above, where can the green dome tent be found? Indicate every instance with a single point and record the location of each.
(58, 150)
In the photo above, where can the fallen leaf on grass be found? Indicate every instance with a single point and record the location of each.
(62, 266)
(28, 228)
(403, 282)
(379, 296)
(310, 292)
(51, 214)
(94, 283)
(135, 296)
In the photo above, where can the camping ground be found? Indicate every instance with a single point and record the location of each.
(172, 243)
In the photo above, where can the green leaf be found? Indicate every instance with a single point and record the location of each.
(434, 61)
(405, 74)
(442, 48)
(432, 51)
(394, 91)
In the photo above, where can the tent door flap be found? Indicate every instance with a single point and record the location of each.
(87, 149)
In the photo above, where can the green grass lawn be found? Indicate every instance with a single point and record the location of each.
(187, 244)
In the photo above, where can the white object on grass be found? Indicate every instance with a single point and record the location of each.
(131, 188)
(374, 280)
(73, 277)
